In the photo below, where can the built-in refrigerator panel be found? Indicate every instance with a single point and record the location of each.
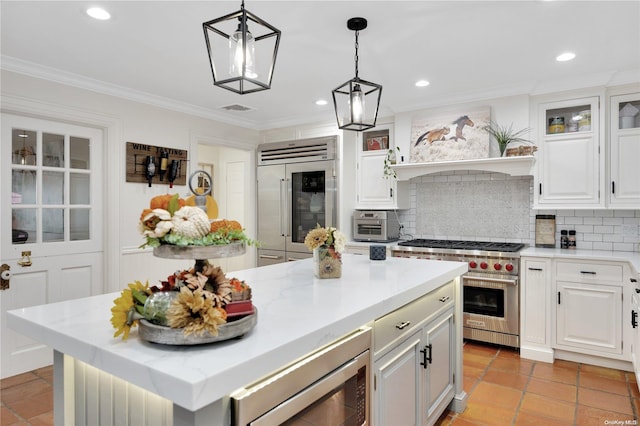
(296, 191)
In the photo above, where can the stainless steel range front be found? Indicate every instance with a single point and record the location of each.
(491, 292)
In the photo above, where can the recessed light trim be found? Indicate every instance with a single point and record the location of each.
(98, 13)
(422, 83)
(566, 56)
(321, 102)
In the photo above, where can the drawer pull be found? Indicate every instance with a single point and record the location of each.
(535, 269)
(444, 298)
(588, 272)
(403, 324)
(633, 280)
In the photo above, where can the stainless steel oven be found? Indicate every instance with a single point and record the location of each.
(491, 291)
(330, 386)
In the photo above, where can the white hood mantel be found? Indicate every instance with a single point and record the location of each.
(515, 166)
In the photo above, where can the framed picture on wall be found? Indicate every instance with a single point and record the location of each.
(375, 140)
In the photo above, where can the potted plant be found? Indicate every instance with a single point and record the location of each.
(389, 160)
(505, 135)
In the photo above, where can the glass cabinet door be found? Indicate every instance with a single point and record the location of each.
(624, 139)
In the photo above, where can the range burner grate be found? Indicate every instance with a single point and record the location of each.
(463, 245)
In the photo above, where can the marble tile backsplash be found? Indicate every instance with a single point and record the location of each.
(497, 207)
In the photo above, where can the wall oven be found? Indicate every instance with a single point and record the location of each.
(491, 291)
(329, 387)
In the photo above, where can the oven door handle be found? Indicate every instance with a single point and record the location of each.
(513, 281)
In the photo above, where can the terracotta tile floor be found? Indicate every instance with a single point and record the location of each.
(503, 390)
(506, 390)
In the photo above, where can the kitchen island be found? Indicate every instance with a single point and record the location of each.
(191, 384)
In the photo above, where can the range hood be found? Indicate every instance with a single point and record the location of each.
(515, 166)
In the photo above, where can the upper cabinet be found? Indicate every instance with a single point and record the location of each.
(624, 151)
(570, 167)
(377, 190)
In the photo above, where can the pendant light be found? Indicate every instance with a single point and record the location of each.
(242, 51)
(357, 101)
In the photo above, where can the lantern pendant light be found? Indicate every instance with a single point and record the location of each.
(242, 51)
(357, 101)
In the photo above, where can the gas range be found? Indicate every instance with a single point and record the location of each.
(482, 256)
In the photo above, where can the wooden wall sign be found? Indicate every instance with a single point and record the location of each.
(139, 155)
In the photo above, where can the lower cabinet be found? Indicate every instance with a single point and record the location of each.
(414, 370)
(589, 317)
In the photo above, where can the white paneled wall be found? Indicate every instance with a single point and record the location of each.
(497, 207)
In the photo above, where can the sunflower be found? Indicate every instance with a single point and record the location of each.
(124, 313)
(195, 313)
(212, 282)
(315, 238)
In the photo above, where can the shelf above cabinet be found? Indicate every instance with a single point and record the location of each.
(515, 166)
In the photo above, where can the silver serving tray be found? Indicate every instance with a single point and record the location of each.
(168, 251)
(175, 336)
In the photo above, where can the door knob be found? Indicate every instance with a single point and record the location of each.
(5, 274)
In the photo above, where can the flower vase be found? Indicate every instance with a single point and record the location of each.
(327, 262)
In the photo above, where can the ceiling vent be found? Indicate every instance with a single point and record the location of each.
(237, 107)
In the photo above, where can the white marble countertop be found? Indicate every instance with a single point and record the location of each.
(619, 256)
(296, 314)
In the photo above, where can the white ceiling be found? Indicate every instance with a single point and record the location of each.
(154, 51)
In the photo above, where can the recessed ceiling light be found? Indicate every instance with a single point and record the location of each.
(321, 102)
(422, 83)
(98, 13)
(567, 56)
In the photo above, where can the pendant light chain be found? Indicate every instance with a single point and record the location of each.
(356, 57)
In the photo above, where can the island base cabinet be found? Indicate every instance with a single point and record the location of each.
(589, 317)
(396, 384)
(439, 366)
(414, 382)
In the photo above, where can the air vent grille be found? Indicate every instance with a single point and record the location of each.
(315, 149)
(237, 107)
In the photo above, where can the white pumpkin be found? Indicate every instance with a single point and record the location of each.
(191, 222)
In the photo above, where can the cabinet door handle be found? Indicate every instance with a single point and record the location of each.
(588, 272)
(535, 269)
(634, 319)
(426, 359)
(558, 298)
(637, 290)
(444, 298)
(633, 280)
(613, 187)
(390, 192)
(540, 190)
(403, 324)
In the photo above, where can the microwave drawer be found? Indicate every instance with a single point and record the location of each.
(401, 322)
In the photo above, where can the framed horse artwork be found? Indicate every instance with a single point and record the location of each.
(450, 136)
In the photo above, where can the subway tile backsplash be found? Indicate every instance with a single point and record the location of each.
(497, 207)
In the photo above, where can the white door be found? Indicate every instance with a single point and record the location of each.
(51, 217)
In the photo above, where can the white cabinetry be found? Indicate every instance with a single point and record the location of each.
(624, 127)
(375, 189)
(414, 360)
(589, 307)
(569, 164)
(535, 314)
(576, 308)
(635, 341)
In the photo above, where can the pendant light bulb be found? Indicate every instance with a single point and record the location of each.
(357, 104)
(239, 53)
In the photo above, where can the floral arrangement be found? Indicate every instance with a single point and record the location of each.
(168, 220)
(327, 245)
(195, 301)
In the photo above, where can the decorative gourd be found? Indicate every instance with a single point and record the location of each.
(190, 222)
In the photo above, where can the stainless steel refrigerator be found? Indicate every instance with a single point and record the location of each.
(296, 191)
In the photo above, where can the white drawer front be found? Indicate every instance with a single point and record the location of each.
(578, 271)
(403, 320)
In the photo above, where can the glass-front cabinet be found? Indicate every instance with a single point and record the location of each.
(569, 162)
(624, 139)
